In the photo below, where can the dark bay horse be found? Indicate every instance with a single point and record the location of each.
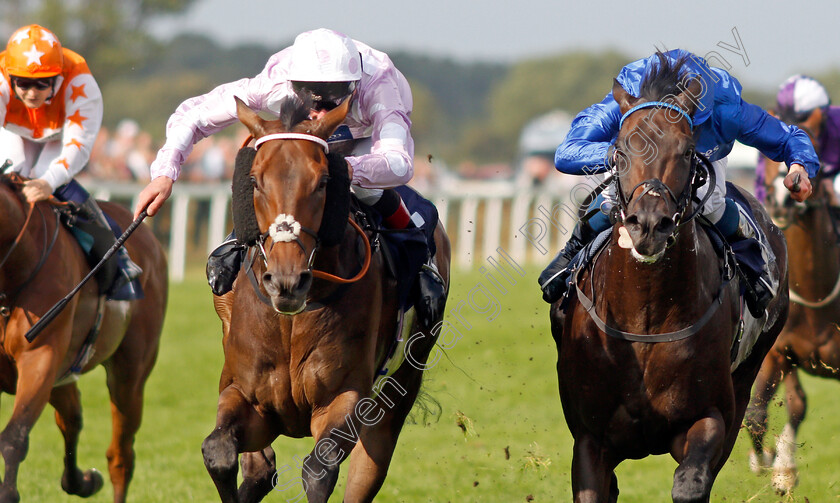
(644, 345)
(305, 333)
(40, 262)
(811, 338)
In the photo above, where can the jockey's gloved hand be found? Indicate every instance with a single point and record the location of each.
(797, 182)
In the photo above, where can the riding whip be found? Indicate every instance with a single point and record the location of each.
(59, 306)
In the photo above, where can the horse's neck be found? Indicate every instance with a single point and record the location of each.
(16, 247)
(650, 291)
(814, 257)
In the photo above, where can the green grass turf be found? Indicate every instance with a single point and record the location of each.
(499, 435)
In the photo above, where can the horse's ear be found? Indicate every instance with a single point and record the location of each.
(325, 126)
(691, 95)
(625, 100)
(254, 123)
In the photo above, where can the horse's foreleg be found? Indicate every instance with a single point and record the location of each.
(697, 452)
(336, 430)
(258, 474)
(593, 478)
(239, 428)
(68, 416)
(36, 374)
(785, 474)
(126, 373)
(382, 419)
(774, 367)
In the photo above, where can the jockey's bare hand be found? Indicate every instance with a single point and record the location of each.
(805, 188)
(36, 190)
(153, 196)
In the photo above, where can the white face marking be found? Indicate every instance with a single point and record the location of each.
(284, 229)
(652, 192)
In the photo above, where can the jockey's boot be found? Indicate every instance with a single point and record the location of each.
(128, 270)
(759, 292)
(223, 265)
(555, 276)
(432, 296)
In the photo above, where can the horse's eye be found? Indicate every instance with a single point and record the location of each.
(323, 183)
(254, 183)
(689, 153)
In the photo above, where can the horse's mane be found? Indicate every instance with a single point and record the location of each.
(662, 79)
(293, 111)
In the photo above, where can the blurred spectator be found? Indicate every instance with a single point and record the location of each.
(140, 156)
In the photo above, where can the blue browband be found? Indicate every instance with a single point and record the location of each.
(657, 104)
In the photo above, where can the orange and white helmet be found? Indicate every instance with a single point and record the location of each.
(34, 52)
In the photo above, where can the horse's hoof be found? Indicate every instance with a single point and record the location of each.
(89, 484)
(784, 480)
(760, 464)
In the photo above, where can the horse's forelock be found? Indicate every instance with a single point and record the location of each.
(293, 111)
(663, 79)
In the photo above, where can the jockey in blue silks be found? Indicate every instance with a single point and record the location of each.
(721, 117)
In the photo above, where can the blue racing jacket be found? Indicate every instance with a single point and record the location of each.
(721, 118)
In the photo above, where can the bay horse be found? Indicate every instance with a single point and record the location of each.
(644, 343)
(305, 330)
(41, 262)
(810, 340)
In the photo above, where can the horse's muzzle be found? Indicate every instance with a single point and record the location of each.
(650, 232)
(287, 291)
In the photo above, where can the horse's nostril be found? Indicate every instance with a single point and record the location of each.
(666, 225)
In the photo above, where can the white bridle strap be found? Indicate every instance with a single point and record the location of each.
(293, 136)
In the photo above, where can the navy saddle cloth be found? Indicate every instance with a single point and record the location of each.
(410, 248)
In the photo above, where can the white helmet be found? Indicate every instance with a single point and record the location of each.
(324, 56)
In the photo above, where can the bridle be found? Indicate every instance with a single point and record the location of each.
(286, 229)
(696, 179)
(654, 186)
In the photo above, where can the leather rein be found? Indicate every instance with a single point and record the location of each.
(6, 299)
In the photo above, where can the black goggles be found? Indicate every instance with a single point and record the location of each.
(324, 95)
(24, 84)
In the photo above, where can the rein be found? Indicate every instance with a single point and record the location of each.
(694, 328)
(5, 310)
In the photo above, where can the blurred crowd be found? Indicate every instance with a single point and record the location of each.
(125, 153)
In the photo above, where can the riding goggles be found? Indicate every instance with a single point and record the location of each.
(324, 95)
(24, 84)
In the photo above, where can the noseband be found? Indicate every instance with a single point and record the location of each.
(655, 187)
